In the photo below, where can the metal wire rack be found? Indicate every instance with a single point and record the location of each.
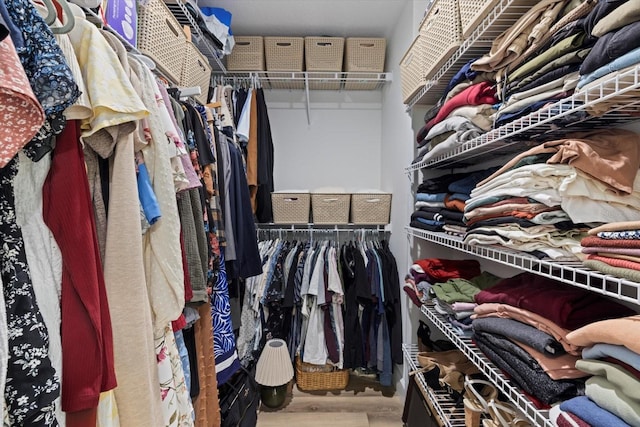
(536, 416)
(498, 20)
(449, 415)
(567, 115)
(572, 273)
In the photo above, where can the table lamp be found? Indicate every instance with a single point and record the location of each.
(273, 373)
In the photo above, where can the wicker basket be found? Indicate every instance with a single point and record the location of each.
(196, 72)
(330, 208)
(161, 38)
(290, 208)
(370, 208)
(324, 54)
(363, 55)
(320, 377)
(472, 12)
(412, 75)
(442, 35)
(284, 53)
(247, 54)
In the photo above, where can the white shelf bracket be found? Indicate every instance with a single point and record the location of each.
(306, 92)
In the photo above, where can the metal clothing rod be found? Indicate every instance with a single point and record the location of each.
(315, 232)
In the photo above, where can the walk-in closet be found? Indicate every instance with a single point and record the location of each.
(346, 213)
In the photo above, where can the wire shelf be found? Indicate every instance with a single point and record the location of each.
(449, 415)
(312, 80)
(536, 416)
(182, 15)
(497, 21)
(567, 115)
(570, 272)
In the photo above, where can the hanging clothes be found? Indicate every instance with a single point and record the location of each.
(328, 303)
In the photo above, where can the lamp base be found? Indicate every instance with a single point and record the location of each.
(273, 397)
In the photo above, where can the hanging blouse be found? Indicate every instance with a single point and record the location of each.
(138, 394)
(20, 112)
(47, 70)
(163, 257)
(113, 99)
(43, 254)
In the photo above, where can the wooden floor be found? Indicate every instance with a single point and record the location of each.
(362, 404)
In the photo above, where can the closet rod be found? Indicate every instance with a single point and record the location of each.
(324, 228)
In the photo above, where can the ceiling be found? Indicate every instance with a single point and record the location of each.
(337, 18)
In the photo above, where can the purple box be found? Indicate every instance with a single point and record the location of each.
(122, 17)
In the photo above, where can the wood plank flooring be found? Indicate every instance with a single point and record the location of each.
(362, 400)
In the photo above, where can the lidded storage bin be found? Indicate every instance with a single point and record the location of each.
(290, 207)
(247, 54)
(364, 55)
(161, 38)
(324, 54)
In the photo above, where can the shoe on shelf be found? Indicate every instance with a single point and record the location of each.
(504, 414)
(477, 395)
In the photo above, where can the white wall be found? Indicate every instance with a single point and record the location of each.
(397, 153)
(340, 148)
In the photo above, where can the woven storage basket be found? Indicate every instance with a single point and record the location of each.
(284, 54)
(370, 208)
(362, 55)
(161, 38)
(472, 12)
(247, 54)
(320, 377)
(324, 54)
(330, 208)
(196, 71)
(412, 75)
(290, 208)
(442, 35)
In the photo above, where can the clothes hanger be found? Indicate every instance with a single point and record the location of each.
(66, 13)
(52, 13)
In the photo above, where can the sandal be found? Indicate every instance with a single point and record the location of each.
(476, 397)
(504, 415)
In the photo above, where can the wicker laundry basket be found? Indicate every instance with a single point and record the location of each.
(320, 377)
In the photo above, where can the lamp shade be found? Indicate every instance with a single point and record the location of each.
(274, 365)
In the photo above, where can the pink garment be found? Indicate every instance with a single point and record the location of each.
(562, 367)
(21, 114)
(624, 331)
(603, 251)
(610, 243)
(615, 262)
(463, 306)
(508, 312)
(185, 159)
